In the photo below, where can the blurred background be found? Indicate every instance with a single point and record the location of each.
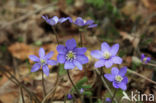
(131, 23)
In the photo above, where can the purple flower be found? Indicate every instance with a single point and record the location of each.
(81, 90)
(63, 19)
(43, 61)
(69, 96)
(118, 77)
(107, 56)
(54, 20)
(145, 59)
(108, 100)
(80, 22)
(71, 56)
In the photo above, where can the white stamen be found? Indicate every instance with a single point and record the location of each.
(106, 55)
(118, 78)
(70, 56)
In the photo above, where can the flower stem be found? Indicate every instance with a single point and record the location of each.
(54, 30)
(81, 39)
(106, 85)
(114, 95)
(52, 91)
(75, 87)
(44, 90)
(72, 82)
(150, 64)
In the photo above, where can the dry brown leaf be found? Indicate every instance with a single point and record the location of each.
(133, 38)
(130, 9)
(12, 97)
(128, 60)
(21, 50)
(3, 80)
(65, 86)
(149, 4)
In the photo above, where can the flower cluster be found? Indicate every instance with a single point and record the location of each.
(72, 56)
(107, 56)
(79, 21)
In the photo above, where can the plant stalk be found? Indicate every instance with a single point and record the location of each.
(114, 95)
(43, 85)
(55, 34)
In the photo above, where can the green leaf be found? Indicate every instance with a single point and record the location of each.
(3, 48)
(20, 39)
(62, 71)
(87, 93)
(69, 2)
(38, 43)
(99, 101)
(96, 3)
(86, 86)
(81, 82)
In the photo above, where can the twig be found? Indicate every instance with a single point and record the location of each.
(150, 64)
(49, 93)
(22, 95)
(137, 74)
(27, 15)
(15, 71)
(106, 85)
(17, 82)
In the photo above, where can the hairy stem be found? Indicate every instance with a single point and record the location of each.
(43, 85)
(72, 83)
(75, 87)
(81, 39)
(114, 95)
(52, 91)
(54, 30)
(106, 85)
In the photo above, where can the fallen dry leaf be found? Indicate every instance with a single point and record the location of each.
(21, 50)
(12, 97)
(133, 38)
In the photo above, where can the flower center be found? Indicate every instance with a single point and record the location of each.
(107, 55)
(42, 61)
(144, 59)
(118, 78)
(70, 56)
